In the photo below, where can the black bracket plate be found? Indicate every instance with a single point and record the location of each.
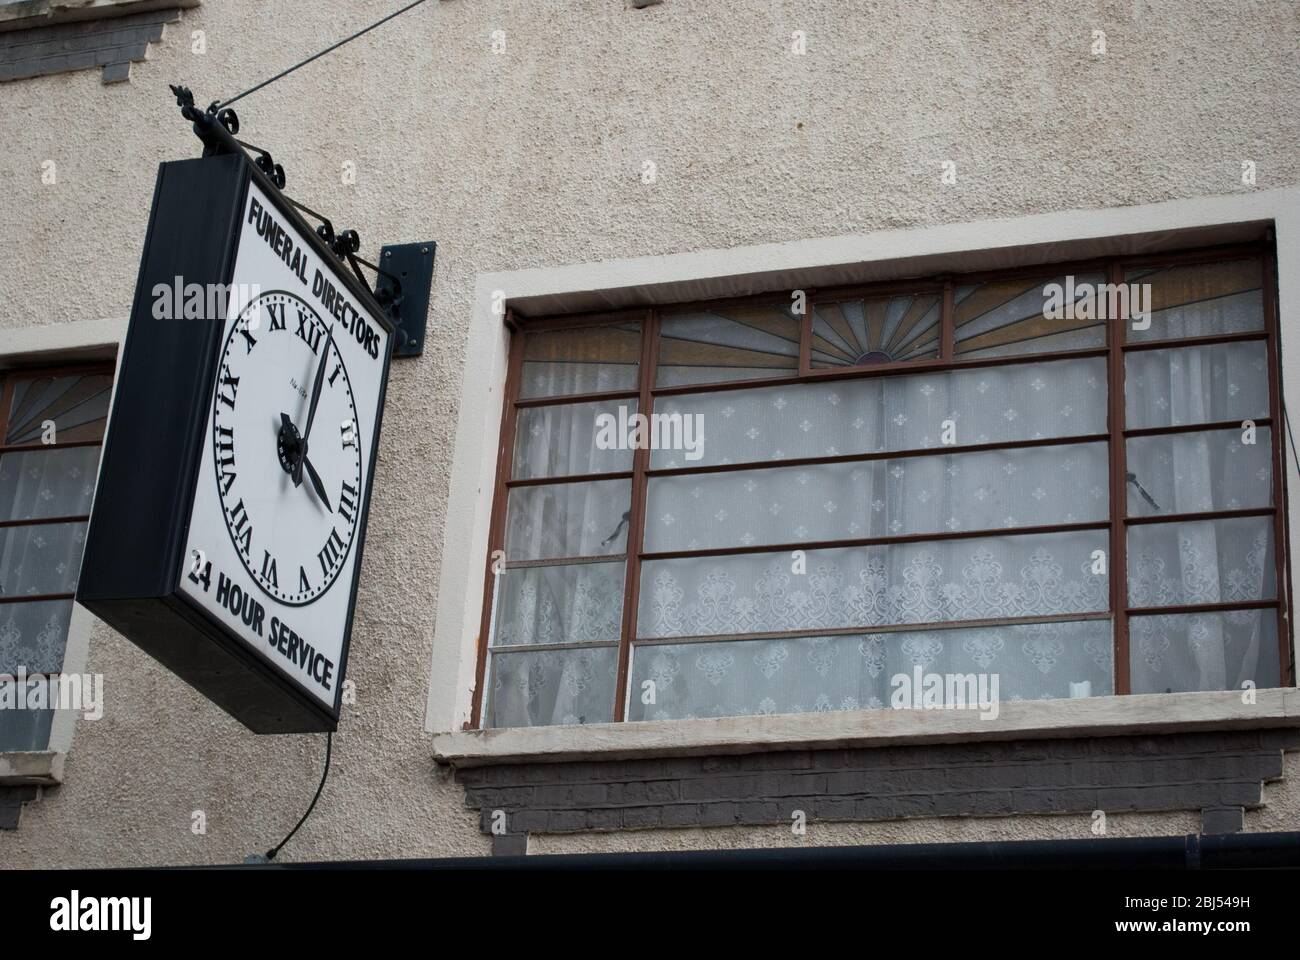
(412, 265)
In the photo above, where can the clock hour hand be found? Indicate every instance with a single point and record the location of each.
(315, 398)
(316, 483)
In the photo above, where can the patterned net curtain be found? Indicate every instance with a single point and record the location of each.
(917, 504)
(51, 426)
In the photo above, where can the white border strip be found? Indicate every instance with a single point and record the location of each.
(49, 344)
(1053, 236)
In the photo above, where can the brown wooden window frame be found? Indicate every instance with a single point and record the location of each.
(8, 379)
(1117, 433)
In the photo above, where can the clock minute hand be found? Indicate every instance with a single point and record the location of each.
(315, 399)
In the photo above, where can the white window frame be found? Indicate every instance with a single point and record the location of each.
(56, 344)
(823, 262)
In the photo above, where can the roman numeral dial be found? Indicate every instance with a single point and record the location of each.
(287, 447)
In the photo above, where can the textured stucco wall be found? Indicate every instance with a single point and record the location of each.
(533, 157)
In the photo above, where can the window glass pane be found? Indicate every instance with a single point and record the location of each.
(1060, 398)
(542, 687)
(1027, 315)
(878, 330)
(561, 440)
(970, 491)
(936, 582)
(1199, 472)
(1039, 661)
(1204, 561)
(568, 520)
(23, 729)
(729, 343)
(40, 559)
(78, 405)
(1202, 299)
(1204, 651)
(47, 483)
(1204, 384)
(581, 360)
(568, 603)
(33, 636)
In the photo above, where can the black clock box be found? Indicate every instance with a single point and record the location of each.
(133, 557)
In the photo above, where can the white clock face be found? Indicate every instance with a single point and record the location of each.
(278, 514)
(286, 452)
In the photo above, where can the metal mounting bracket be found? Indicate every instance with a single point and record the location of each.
(404, 287)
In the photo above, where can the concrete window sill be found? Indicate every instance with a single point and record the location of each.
(43, 768)
(1023, 720)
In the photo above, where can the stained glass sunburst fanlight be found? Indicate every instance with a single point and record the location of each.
(728, 343)
(78, 406)
(863, 332)
(1004, 317)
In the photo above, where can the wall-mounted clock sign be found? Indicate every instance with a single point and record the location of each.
(228, 524)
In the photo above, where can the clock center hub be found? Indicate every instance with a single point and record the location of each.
(290, 446)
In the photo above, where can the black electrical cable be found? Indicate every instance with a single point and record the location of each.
(329, 749)
(1295, 454)
(317, 56)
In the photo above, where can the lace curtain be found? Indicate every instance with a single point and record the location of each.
(1204, 561)
(39, 559)
(853, 617)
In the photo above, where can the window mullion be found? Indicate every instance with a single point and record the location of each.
(496, 524)
(6, 401)
(1286, 662)
(636, 526)
(805, 332)
(947, 312)
(1118, 490)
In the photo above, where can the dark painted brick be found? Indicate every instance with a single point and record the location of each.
(681, 815)
(703, 789)
(722, 765)
(1051, 774)
(801, 784)
(570, 772)
(1007, 775)
(590, 794)
(10, 815)
(720, 814)
(1030, 750)
(1176, 797)
(834, 759)
(925, 781)
(607, 819)
(116, 73)
(990, 802)
(510, 845)
(886, 781)
(833, 808)
(528, 821)
(760, 811)
(1166, 772)
(854, 782)
(1286, 739)
(917, 806)
(568, 821)
(1118, 798)
(638, 818)
(1223, 820)
(1248, 794)
(23, 794)
(874, 808)
(1268, 766)
(552, 795)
